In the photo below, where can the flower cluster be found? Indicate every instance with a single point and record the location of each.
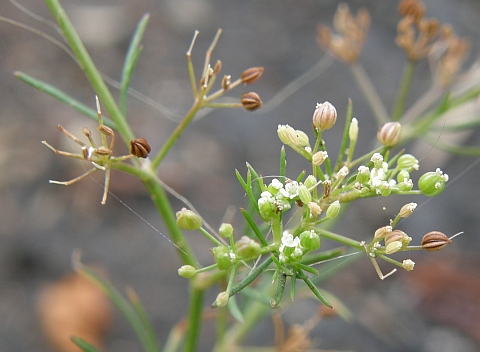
(293, 248)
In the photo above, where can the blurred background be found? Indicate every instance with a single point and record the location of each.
(433, 308)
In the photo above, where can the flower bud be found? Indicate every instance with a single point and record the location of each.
(407, 210)
(222, 299)
(405, 186)
(302, 138)
(186, 271)
(324, 116)
(382, 232)
(434, 241)
(432, 183)
(363, 175)
(223, 257)
(287, 135)
(408, 264)
(251, 75)
(389, 134)
(247, 248)
(407, 162)
(353, 130)
(403, 175)
(251, 101)
(310, 240)
(333, 210)
(140, 148)
(319, 157)
(226, 230)
(188, 220)
(304, 194)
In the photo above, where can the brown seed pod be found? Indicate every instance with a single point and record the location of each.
(251, 75)
(251, 101)
(140, 147)
(434, 241)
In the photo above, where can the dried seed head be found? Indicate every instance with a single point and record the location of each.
(251, 75)
(140, 148)
(107, 131)
(251, 101)
(87, 132)
(389, 134)
(217, 68)
(411, 8)
(352, 32)
(324, 116)
(434, 241)
(103, 151)
(226, 81)
(397, 236)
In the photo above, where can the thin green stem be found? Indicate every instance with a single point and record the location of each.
(341, 239)
(370, 93)
(404, 88)
(90, 70)
(177, 132)
(194, 319)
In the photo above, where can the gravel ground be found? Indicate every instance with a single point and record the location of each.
(434, 308)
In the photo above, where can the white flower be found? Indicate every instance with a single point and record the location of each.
(408, 264)
(276, 184)
(291, 190)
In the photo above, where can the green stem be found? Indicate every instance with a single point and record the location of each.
(404, 88)
(178, 131)
(90, 70)
(160, 199)
(368, 90)
(341, 239)
(194, 319)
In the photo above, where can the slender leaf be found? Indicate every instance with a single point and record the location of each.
(62, 97)
(121, 303)
(254, 227)
(131, 59)
(84, 345)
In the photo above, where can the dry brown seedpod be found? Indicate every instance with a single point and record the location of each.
(434, 241)
(251, 101)
(140, 147)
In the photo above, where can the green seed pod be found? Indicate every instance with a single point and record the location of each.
(223, 257)
(310, 181)
(432, 183)
(333, 210)
(310, 240)
(247, 248)
(304, 194)
(407, 162)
